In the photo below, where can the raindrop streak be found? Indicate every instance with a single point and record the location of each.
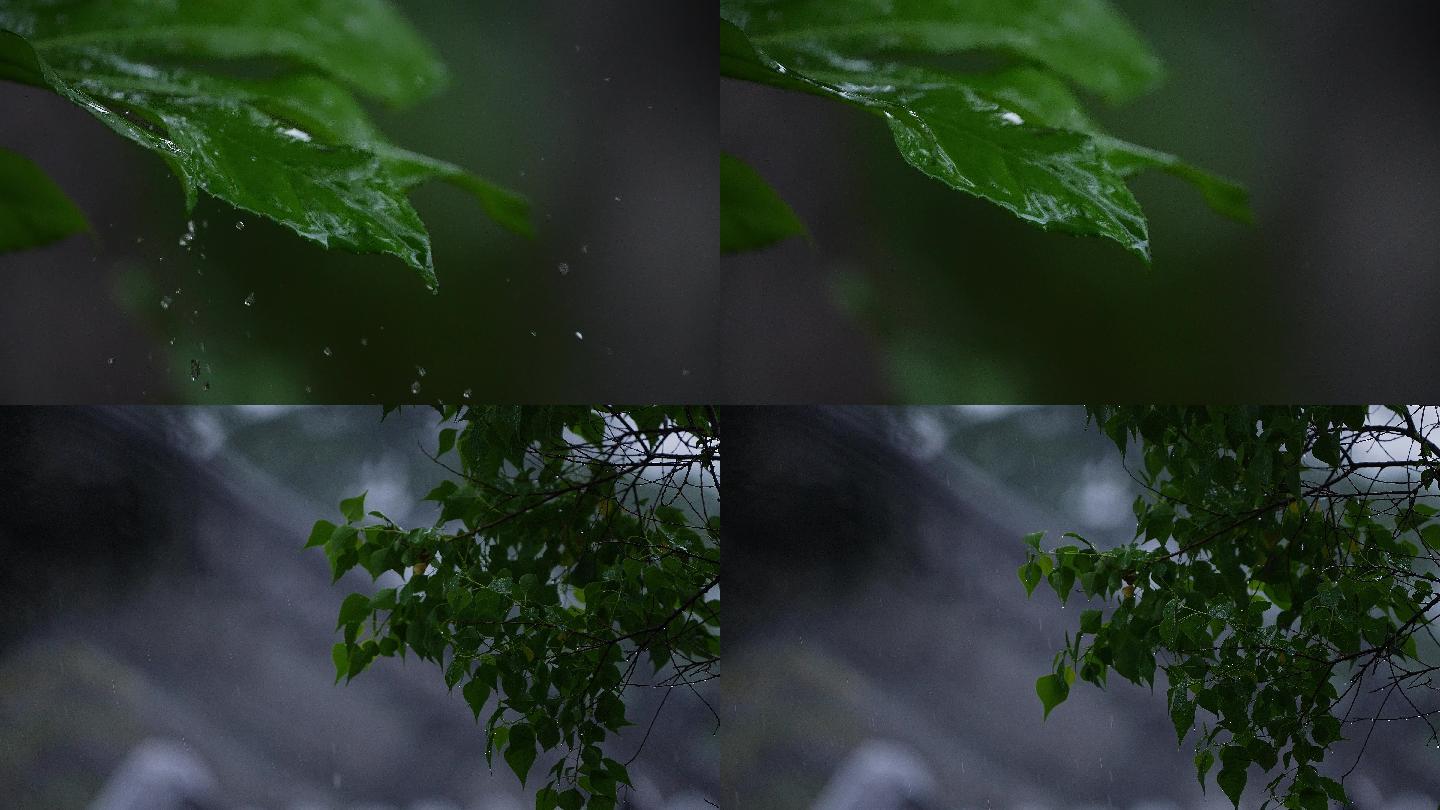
(329, 353)
(564, 269)
(585, 248)
(579, 336)
(420, 370)
(250, 300)
(240, 225)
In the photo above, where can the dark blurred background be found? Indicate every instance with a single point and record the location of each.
(165, 640)
(881, 653)
(1326, 112)
(601, 111)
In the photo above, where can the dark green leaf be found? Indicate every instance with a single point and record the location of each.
(752, 214)
(321, 532)
(1234, 763)
(521, 753)
(33, 210)
(1052, 690)
(476, 692)
(355, 609)
(294, 148)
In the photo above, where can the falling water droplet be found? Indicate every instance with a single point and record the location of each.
(465, 394)
(110, 362)
(240, 225)
(166, 301)
(250, 300)
(564, 269)
(415, 387)
(579, 336)
(364, 341)
(329, 353)
(420, 370)
(585, 248)
(194, 369)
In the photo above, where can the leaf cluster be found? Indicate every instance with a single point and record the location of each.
(576, 555)
(1012, 133)
(1283, 576)
(251, 102)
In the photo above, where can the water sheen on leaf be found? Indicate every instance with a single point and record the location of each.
(296, 148)
(1015, 136)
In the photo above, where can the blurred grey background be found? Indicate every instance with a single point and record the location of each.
(1326, 112)
(602, 112)
(881, 652)
(165, 640)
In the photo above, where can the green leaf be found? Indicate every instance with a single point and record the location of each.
(1029, 576)
(341, 657)
(447, 442)
(353, 610)
(1052, 690)
(353, 508)
(1015, 137)
(476, 692)
(295, 148)
(1182, 711)
(1204, 761)
(1086, 41)
(1090, 621)
(33, 210)
(320, 533)
(521, 753)
(752, 214)
(1234, 762)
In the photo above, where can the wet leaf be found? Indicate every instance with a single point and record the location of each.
(752, 214)
(1015, 136)
(33, 210)
(295, 147)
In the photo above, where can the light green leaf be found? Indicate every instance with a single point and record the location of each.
(752, 214)
(341, 657)
(1052, 690)
(353, 508)
(295, 148)
(33, 210)
(1029, 576)
(320, 533)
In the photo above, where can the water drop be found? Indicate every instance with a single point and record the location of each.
(297, 134)
(308, 389)
(110, 362)
(194, 369)
(579, 336)
(564, 269)
(420, 370)
(585, 248)
(250, 300)
(684, 372)
(329, 353)
(415, 387)
(166, 301)
(364, 341)
(189, 235)
(465, 394)
(1011, 118)
(240, 225)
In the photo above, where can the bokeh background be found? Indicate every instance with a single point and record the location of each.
(881, 653)
(914, 292)
(602, 112)
(165, 640)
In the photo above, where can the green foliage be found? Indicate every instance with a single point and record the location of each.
(752, 215)
(1283, 569)
(290, 143)
(1015, 135)
(576, 553)
(33, 210)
